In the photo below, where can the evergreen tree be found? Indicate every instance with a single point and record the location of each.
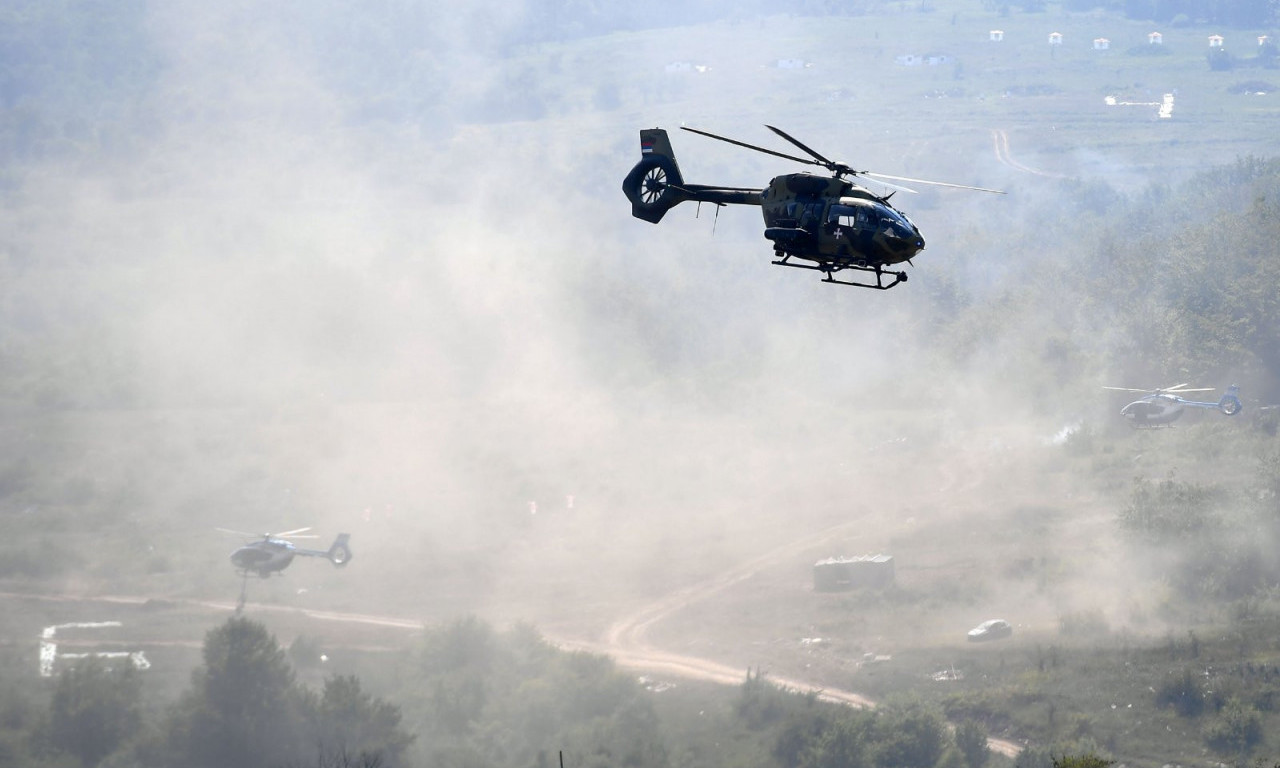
(94, 709)
(243, 706)
(347, 721)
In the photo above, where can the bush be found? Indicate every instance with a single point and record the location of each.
(1184, 694)
(760, 702)
(1170, 510)
(1220, 60)
(1238, 729)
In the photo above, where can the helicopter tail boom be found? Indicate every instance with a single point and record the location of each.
(655, 185)
(339, 553)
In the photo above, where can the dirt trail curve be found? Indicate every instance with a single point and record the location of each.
(626, 640)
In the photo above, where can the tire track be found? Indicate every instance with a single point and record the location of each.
(1001, 139)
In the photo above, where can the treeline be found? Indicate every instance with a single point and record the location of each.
(1238, 13)
(467, 696)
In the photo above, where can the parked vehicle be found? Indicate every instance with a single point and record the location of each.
(991, 629)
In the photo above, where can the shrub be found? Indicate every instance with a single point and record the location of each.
(1184, 694)
(1237, 729)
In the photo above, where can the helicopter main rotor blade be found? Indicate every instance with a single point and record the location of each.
(290, 533)
(750, 146)
(926, 181)
(898, 187)
(237, 533)
(1131, 389)
(822, 160)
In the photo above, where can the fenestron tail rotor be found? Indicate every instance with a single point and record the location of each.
(653, 185)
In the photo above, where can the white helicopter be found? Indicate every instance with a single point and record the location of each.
(1162, 407)
(272, 552)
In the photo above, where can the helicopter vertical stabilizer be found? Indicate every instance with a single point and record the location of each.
(653, 186)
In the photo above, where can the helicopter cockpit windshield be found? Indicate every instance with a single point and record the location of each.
(852, 216)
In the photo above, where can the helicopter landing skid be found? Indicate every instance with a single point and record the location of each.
(830, 269)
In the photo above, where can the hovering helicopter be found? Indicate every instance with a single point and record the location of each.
(274, 552)
(835, 223)
(1161, 407)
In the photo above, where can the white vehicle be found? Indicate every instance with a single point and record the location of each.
(991, 629)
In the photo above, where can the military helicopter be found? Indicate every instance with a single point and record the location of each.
(273, 552)
(1162, 407)
(833, 222)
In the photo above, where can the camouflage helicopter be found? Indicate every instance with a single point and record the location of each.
(833, 222)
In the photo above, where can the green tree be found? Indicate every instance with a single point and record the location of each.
(971, 739)
(243, 706)
(910, 734)
(846, 743)
(95, 709)
(347, 721)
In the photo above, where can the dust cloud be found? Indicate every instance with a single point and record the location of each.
(307, 287)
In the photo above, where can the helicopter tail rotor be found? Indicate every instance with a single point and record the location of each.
(340, 553)
(1230, 403)
(654, 185)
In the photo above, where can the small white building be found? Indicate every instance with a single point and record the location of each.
(1101, 44)
(1055, 38)
(1155, 38)
(1263, 40)
(996, 35)
(1215, 41)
